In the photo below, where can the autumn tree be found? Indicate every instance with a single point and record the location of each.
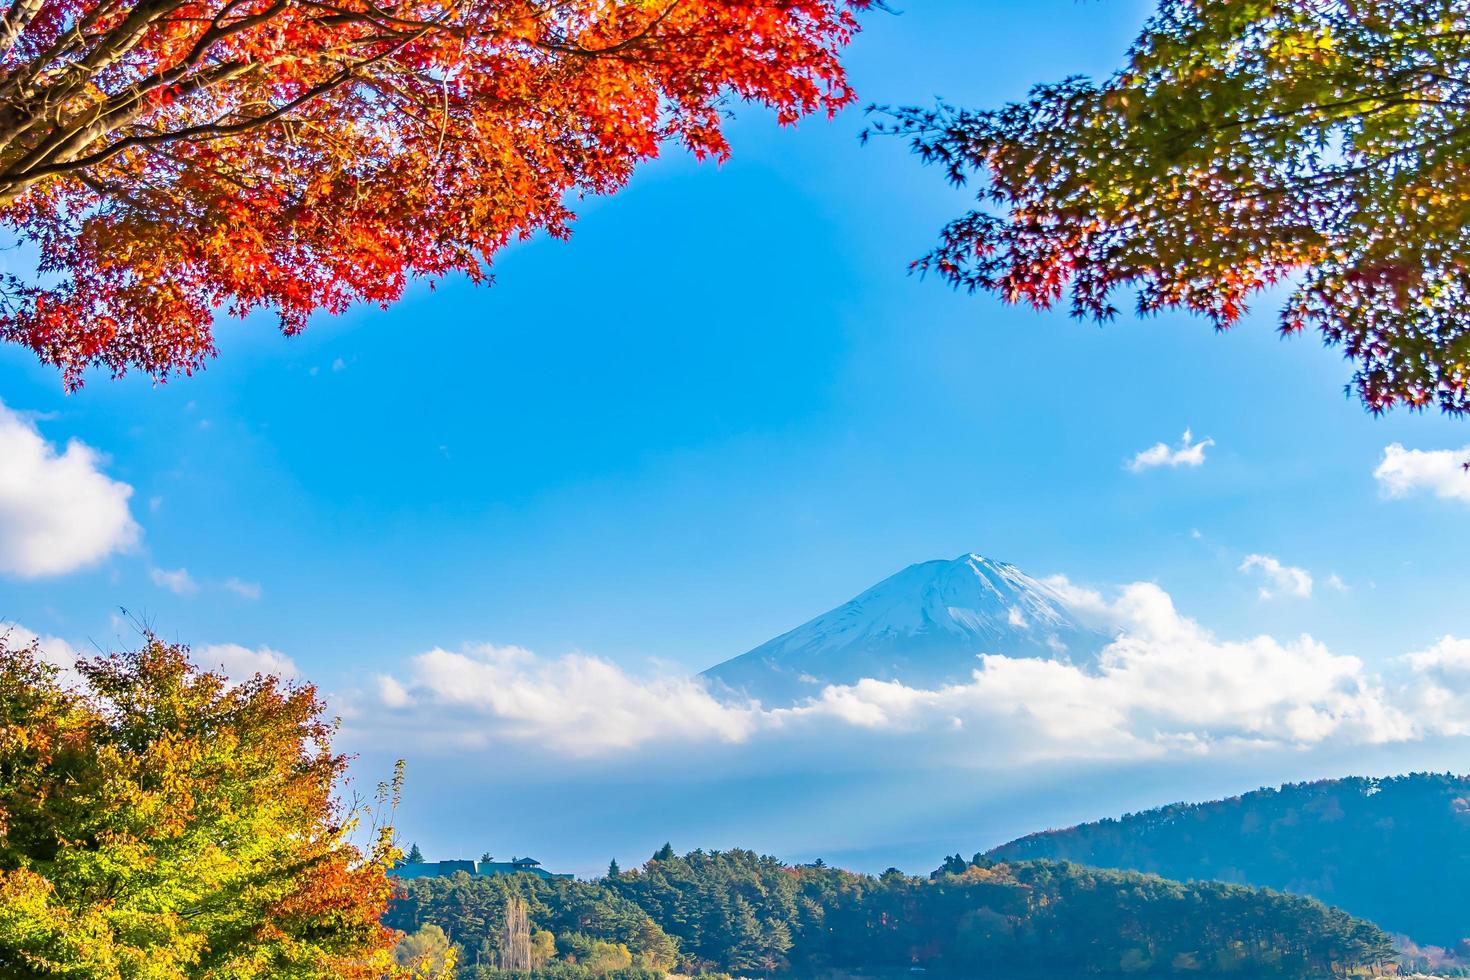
(426, 954)
(165, 159)
(161, 822)
(1318, 145)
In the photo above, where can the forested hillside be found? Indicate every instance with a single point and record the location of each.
(1396, 851)
(742, 913)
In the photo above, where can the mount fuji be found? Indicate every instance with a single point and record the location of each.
(923, 627)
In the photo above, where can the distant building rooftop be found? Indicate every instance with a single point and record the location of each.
(444, 869)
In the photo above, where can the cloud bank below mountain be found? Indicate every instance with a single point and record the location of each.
(1165, 686)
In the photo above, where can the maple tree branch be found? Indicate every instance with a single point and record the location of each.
(17, 18)
(644, 34)
(109, 116)
(56, 152)
(12, 184)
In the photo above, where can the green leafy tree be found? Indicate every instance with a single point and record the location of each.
(1243, 144)
(157, 821)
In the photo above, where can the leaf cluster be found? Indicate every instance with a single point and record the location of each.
(1319, 145)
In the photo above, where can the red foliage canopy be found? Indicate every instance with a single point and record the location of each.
(166, 158)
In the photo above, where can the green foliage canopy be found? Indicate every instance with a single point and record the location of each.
(160, 823)
(1337, 840)
(1244, 143)
(745, 914)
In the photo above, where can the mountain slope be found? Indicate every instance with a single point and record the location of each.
(923, 626)
(1396, 851)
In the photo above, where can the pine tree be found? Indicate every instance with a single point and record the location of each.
(665, 853)
(612, 868)
(758, 944)
(415, 856)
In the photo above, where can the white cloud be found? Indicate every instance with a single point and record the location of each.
(576, 703)
(1187, 453)
(1442, 690)
(178, 581)
(243, 589)
(241, 663)
(53, 649)
(1281, 579)
(1164, 686)
(1450, 657)
(1441, 472)
(58, 511)
(1335, 583)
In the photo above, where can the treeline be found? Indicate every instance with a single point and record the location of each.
(1389, 850)
(577, 927)
(737, 912)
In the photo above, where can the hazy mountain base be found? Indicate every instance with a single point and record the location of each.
(740, 913)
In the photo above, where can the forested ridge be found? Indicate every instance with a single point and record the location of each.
(1394, 850)
(742, 913)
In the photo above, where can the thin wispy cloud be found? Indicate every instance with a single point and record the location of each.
(59, 512)
(243, 589)
(1186, 453)
(178, 580)
(1441, 473)
(1281, 579)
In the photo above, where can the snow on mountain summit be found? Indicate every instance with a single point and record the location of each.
(924, 627)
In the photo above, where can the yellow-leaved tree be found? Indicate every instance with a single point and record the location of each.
(158, 821)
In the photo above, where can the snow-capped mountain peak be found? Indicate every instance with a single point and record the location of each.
(924, 626)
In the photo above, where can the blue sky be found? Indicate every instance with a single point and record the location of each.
(722, 408)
